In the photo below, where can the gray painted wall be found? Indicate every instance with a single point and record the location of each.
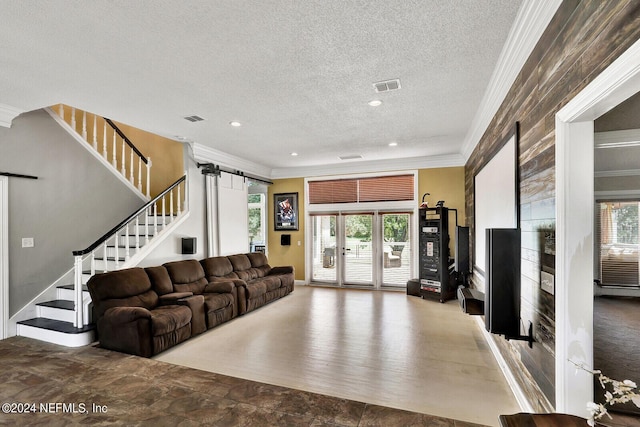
(74, 201)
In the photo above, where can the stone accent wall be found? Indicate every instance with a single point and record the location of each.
(582, 39)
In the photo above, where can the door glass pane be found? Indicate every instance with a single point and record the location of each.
(358, 254)
(396, 261)
(324, 248)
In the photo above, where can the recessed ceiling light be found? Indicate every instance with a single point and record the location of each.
(375, 103)
(235, 124)
(393, 144)
(294, 154)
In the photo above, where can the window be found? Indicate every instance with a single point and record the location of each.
(257, 221)
(617, 242)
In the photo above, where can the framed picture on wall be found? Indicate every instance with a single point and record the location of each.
(285, 207)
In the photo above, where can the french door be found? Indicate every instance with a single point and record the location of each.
(361, 249)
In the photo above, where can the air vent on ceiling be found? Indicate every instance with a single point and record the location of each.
(350, 157)
(194, 118)
(387, 85)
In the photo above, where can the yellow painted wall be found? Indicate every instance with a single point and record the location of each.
(442, 183)
(294, 254)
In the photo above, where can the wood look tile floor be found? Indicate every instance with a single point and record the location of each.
(381, 348)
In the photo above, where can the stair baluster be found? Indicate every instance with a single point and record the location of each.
(104, 142)
(84, 125)
(127, 243)
(123, 161)
(95, 133)
(115, 150)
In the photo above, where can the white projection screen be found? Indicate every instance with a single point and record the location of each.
(496, 195)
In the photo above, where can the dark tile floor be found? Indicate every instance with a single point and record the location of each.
(58, 386)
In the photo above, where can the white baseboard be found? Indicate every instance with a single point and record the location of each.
(520, 396)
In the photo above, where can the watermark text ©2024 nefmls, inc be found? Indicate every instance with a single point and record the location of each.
(53, 408)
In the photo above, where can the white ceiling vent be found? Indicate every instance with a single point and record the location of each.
(387, 85)
(350, 157)
(194, 118)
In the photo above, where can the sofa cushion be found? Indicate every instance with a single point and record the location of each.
(218, 266)
(215, 302)
(240, 262)
(186, 276)
(271, 282)
(257, 259)
(256, 288)
(169, 318)
(130, 287)
(160, 280)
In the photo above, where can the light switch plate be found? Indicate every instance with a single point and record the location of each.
(547, 282)
(27, 242)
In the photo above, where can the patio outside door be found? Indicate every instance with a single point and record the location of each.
(358, 249)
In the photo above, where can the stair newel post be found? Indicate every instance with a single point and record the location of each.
(131, 168)
(84, 125)
(77, 282)
(148, 177)
(95, 132)
(140, 174)
(73, 119)
(115, 150)
(123, 160)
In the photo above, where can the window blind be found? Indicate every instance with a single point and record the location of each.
(358, 190)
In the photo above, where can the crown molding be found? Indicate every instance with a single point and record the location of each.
(203, 153)
(7, 114)
(531, 21)
(346, 168)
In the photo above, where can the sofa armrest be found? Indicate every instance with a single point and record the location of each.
(173, 297)
(126, 329)
(198, 316)
(123, 315)
(281, 270)
(217, 287)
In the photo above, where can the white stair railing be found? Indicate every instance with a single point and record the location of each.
(108, 246)
(125, 158)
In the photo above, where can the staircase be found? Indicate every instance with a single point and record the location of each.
(55, 319)
(62, 313)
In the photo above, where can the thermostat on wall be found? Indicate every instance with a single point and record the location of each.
(547, 282)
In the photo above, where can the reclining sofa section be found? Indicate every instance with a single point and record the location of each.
(144, 311)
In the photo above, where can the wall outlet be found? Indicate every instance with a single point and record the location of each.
(27, 242)
(547, 282)
(299, 243)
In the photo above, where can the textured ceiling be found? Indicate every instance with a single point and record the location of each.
(296, 74)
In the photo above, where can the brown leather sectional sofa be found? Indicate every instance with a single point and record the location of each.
(144, 311)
